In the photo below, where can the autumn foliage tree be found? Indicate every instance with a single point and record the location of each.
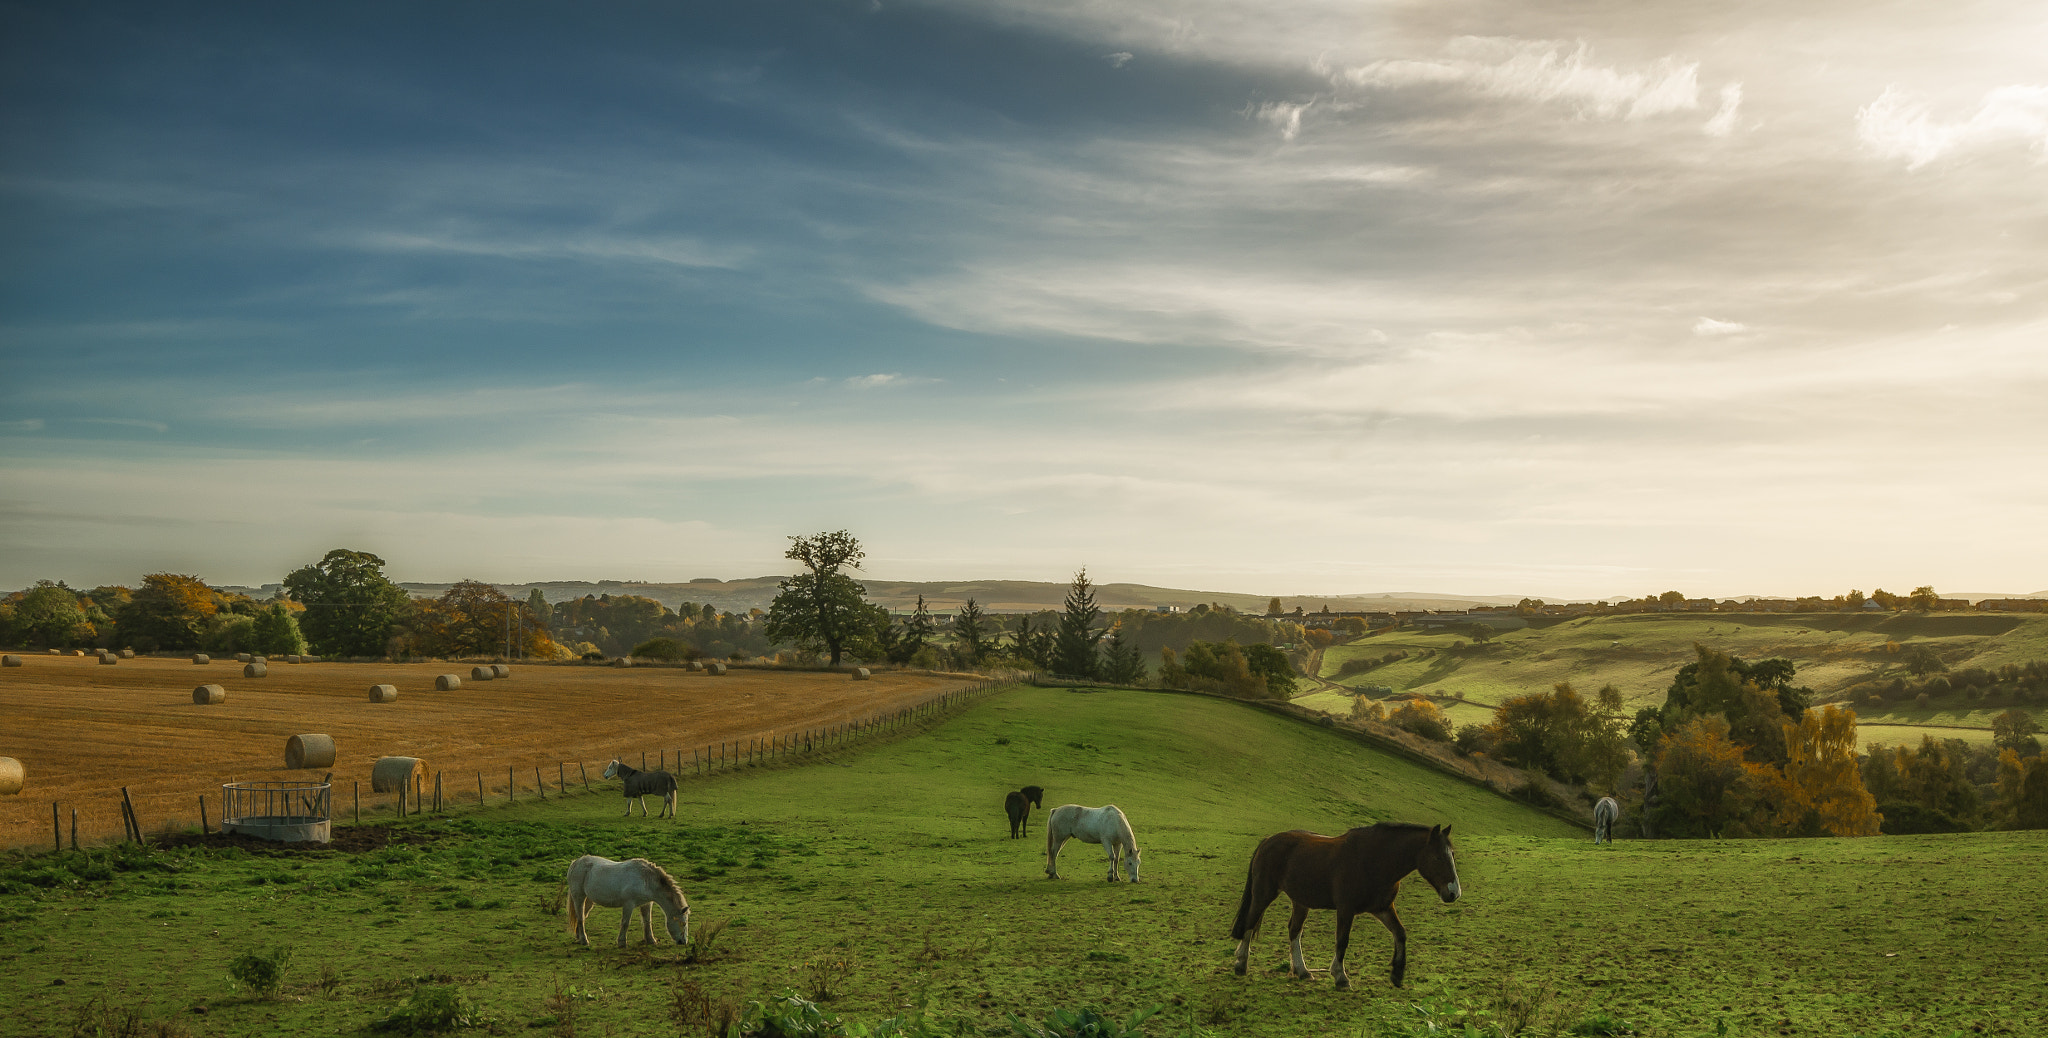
(1822, 772)
(1562, 733)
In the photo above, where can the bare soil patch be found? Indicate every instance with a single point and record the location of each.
(83, 730)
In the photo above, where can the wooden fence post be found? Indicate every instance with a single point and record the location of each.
(359, 801)
(509, 798)
(539, 786)
(479, 789)
(204, 829)
(133, 819)
(57, 829)
(562, 779)
(437, 792)
(74, 824)
(585, 774)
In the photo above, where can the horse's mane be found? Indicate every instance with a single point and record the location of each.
(665, 881)
(1399, 825)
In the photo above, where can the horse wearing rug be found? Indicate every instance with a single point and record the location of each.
(1605, 814)
(1018, 806)
(642, 784)
(1360, 871)
(636, 883)
(1104, 825)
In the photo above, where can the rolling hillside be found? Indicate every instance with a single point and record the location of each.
(1639, 653)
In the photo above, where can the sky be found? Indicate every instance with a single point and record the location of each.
(1574, 299)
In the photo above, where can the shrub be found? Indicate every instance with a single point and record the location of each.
(99, 1019)
(666, 649)
(1920, 700)
(433, 1008)
(260, 973)
(1423, 718)
(1475, 738)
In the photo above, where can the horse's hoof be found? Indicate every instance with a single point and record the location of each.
(1343, 983)
(1238, 969)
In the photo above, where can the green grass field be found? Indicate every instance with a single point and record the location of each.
(893, 860)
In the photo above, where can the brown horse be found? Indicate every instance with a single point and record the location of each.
(1360, 871)
(1018, 806)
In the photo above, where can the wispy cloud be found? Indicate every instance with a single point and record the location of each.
(1286, 115)
(1119, 59)
(681, 252)
(130, 423)
(888, 380)
(1542, 71)
(1723, 122)
(1899, 125)
(1707, 327)
(21, 425)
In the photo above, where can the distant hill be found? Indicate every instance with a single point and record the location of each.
(945, 596)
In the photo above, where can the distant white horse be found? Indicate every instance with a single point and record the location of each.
(1104, 825)
(1605, 814)
(636, 883)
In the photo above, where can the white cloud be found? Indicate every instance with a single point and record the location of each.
(1543, 71)
(681, 252)
(886, 380)
(1119, 59)
(1723, 122)
(22, 425)
(1899, 126)
(1707, 327)
(1283, 114)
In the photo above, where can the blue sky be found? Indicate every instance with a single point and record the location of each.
(1289, 298)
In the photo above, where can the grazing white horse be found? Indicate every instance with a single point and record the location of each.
(635, 883)
(1605, 814)
(1104, 825)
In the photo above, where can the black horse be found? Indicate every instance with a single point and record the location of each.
(1360, 871)
(639, 784)
(1018, 806)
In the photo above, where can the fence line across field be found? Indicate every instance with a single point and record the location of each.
(119, 815)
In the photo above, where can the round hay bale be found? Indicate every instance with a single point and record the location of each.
(623, 661)
(242, 657)
(255, 670)
(860, 673)
(207, 695)
(78, 652)
(200, 659)
(109, 659)
(500, 670)
(396, 774)
(309, 659)
(259, 659)
(447, 682)
(481, 674)
(696, 665)
(10, 661)
(127, 654)
(12, 776)
(309, 751)
(383, 693)
(717, 668)
(55, 652)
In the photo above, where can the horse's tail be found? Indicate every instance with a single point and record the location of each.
(1247, 919)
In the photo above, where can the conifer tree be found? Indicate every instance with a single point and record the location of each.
(1074, 653)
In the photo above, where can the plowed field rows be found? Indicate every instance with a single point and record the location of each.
(84, 730)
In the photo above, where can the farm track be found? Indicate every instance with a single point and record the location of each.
(83, 731)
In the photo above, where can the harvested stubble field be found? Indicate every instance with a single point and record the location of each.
(84, 730)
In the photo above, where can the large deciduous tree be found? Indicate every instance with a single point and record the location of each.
(1822, 768)
(171, 611)
(350, 605)
(822, 608)
(49, 615)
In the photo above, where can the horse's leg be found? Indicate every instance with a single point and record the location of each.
(579, 906)
(1343, 941)
(1052, 853)
(1393, 923)
(1110, 847)
(1260, 891)
(647, 921)
(1298, 967)
(625, 922)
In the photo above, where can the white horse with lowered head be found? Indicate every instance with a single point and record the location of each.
(634, 883)
(1103, 825)
(1605, 814)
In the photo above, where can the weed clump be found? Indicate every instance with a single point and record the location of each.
(100, 1019)
(260, 973)
(433, 1009)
